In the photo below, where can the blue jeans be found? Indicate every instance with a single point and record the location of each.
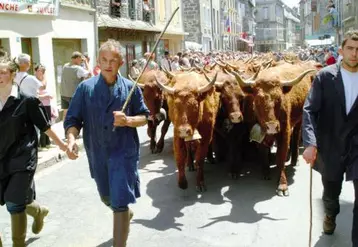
(13, 208)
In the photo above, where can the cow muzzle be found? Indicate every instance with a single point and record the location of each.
(236, 117)
(272, 128)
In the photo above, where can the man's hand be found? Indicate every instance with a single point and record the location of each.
(310, 155)
(120, 119)
(72, 149)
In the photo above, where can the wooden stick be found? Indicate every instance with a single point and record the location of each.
(147, 62)
(311, 210)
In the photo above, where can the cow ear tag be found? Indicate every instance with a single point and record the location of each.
(195, 136)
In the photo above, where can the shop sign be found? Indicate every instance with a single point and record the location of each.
(30, 7)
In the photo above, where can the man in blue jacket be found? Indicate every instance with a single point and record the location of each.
(113, 155)
(330, 116)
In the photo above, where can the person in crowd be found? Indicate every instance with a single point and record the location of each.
(152, 65)
(166, 63)
(72, 75)
(113, 155)
(45, 98)
(134, 71)
(175, 64)
(27, 83)
(19, 114)
(330, 130)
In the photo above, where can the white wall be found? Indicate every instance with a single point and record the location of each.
(72, 23)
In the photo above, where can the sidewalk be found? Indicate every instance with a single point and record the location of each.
(49, 157)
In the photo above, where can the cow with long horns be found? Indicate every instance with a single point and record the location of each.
(157, 105)
(193, 105)
(278, 102)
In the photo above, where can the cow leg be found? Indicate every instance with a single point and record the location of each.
(190, 157)
(151, 131)
(180, 153)
(264, 154)
(200, 154)
(295, 139)
(209, 156)
(160, 143)
(283, 142)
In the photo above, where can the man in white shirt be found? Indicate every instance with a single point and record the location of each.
(166, 63)
(28, 84)
(330, 131)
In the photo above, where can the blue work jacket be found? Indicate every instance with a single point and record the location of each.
(113, 155)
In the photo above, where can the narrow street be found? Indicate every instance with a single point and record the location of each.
(245, 212)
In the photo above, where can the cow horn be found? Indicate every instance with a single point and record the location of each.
(167, 89)
(221, 65)
(241, 82)
(211, 83)
(232, 66)
(268, 66)
(255, 75)
(169, 74)
(213, 66)
(201, 68)
(287, 61)
(248, 60)
(138, 84)
(297, 79)
(184, 69)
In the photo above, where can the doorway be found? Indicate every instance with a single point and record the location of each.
(26, 47)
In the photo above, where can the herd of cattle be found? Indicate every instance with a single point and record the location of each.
(221, 107)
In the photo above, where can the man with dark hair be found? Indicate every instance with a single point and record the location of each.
(72, 74)
(330, 127)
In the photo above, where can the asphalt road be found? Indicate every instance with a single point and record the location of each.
(245, 212)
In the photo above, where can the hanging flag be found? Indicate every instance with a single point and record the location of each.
(227, 24)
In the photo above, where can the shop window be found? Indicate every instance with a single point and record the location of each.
(116, 8)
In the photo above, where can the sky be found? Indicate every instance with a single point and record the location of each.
(291, 3)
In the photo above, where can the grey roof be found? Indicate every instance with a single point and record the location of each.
(124, 23)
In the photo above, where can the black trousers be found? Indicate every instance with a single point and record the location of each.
(44, 139)
(331, 192)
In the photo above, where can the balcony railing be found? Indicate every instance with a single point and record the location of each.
(78, 3)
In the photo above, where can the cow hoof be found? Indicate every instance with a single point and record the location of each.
(159, 148)
(279, 192)
(191, 168)
(201, 188)
(234, 175)
(286, 193)
(183, 184)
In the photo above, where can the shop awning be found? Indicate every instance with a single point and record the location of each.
(124, 23)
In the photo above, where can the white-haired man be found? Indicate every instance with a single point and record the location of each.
(28, 84)
(113, 155)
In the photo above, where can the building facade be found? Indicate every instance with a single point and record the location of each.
(270, 26)
(215, 24)
(247, 15)
(349, 15)
(128, 22)
(173, 39)
(43, 33)
(292, 28)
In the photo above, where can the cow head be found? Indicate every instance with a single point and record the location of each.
(231, 95)
(153, 95)
(184, 100)
(268, 92)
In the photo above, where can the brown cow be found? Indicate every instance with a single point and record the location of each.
(278, 101)
(193, 105)
(154, 99)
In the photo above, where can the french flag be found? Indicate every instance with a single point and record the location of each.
(227, 24)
